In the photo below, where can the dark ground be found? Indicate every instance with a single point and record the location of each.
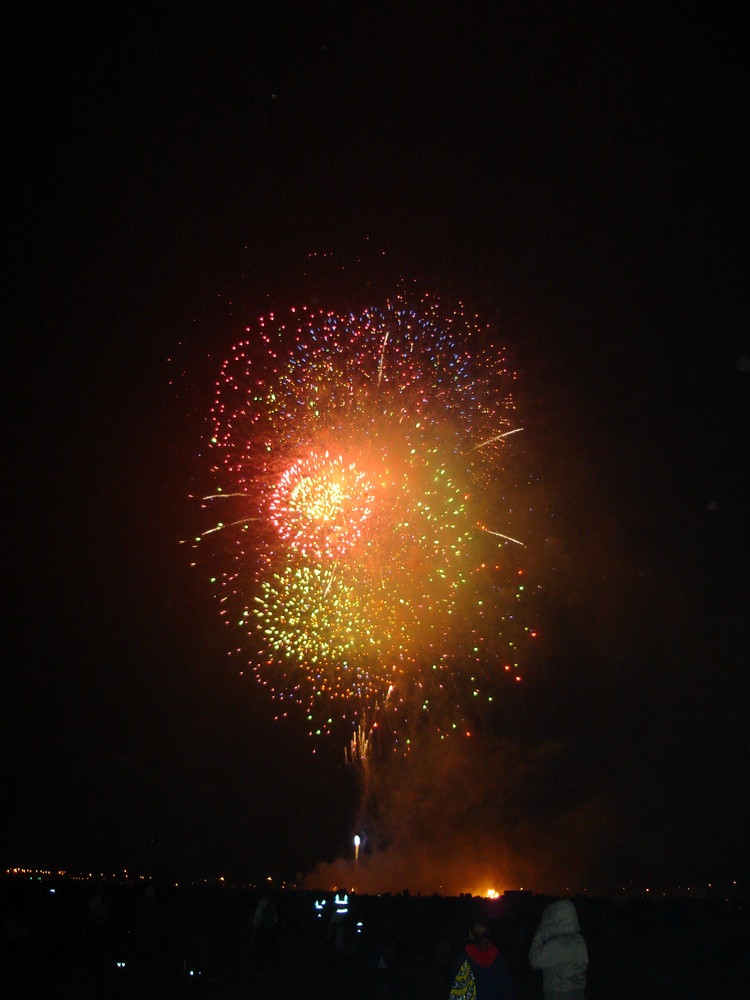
(53, 945)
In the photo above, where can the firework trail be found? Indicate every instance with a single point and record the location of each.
(358, 545)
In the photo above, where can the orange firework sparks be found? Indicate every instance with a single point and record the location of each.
(363, 551)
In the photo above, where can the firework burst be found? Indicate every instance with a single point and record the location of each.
(361, 556)
(320, 506)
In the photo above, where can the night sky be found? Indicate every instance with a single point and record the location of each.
(580, 178)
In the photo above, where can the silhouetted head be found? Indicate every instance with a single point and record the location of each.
(478, 933)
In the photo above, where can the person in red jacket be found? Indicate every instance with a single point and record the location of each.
(481, 972)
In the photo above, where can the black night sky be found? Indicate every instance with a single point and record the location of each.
(580, 177)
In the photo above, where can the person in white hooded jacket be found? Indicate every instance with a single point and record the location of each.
(559, 951)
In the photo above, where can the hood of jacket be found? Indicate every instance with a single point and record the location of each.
(560, 918)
